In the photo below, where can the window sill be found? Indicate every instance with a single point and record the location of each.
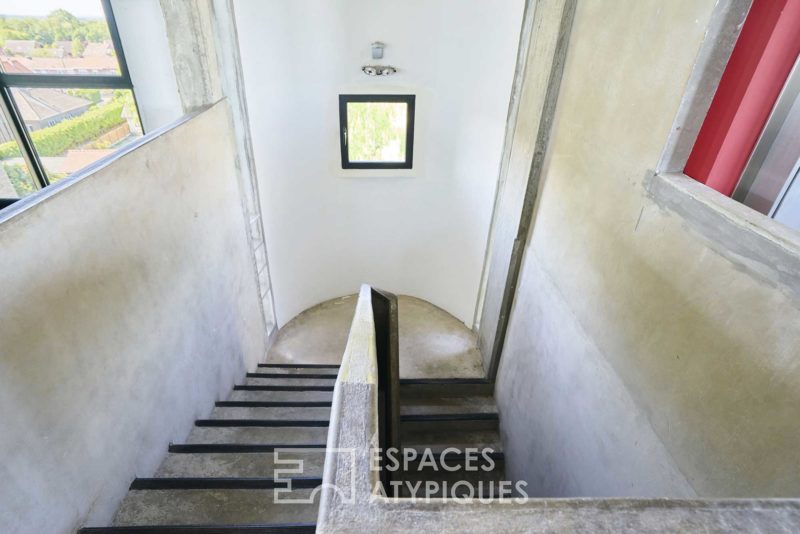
(745, 236)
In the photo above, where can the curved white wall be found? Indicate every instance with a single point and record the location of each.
(422, 232)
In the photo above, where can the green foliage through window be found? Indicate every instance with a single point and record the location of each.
(376, 131)
(71, 133)
(60, 25)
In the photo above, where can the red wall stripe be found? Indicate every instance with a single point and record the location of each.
(760, 63)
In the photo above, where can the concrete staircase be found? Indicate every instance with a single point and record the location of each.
(223, 479)
(460, 414)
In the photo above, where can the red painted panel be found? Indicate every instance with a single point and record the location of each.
(762, 59)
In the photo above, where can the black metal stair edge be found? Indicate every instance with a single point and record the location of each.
(299, 365)
(443, 381)
(460, 457)
(194, 448)
(314, 376)
(286, 528)
(438, 417)
(273, 404)
(269, 423)
(209, 483)
(281, 388)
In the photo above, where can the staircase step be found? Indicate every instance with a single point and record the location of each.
(415, 388)
(228, 448)
(269, 423)
(209, 507)
(258, 435)
(281, 396)
(273, 404)
(285, 528)
(293, 376)
(443, 424)
(290, 366)
(448, 417)
(280, 387)
(225, 412)
(438, 438)
(472, 468)
(228, 465)
(215, 483)
(287, 380)
(450, 404)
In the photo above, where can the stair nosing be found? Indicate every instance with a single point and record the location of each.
(273, 404)
(443, 381)
(243, 448)
(299, 365)
(294, 376)
(266, 528)
(221, 483)
(259, 387)
(266, 423)
(439, 417)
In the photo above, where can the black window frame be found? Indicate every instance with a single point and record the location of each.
(9, 81)
(409, 100)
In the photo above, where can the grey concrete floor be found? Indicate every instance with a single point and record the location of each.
(433, 343)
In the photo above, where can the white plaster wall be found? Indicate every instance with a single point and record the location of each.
(129, 306)
(420, 233)
(642, 358)
(144, 41)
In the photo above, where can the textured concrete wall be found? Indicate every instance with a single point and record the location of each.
(641, 359)
(129, 305)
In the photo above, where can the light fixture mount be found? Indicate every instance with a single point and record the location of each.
(378, 70)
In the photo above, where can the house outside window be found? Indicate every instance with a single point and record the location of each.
(67, 96)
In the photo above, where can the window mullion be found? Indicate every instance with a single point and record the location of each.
(71, 81)
(23, 138)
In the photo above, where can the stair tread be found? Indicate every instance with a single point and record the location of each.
(438, 439)
(301, 413)
(230, 507)
(452, 404)
(259, 435)
(440, 417)
(292, 381)
(264, 528)
(278, 396)
(241, 464)
(269, 373)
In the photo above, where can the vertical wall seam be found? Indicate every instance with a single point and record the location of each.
(526, 30)
(534, 177)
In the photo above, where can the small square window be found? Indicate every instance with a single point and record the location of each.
(376, 131)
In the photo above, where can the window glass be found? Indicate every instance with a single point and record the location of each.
(377, 131)
(72, 128)
(55, 37)
(16, 180)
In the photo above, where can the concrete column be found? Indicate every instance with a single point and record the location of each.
(203, 42)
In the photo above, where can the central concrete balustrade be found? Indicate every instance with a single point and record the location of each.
(350, 503)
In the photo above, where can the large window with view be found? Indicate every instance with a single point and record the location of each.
(67, 96)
